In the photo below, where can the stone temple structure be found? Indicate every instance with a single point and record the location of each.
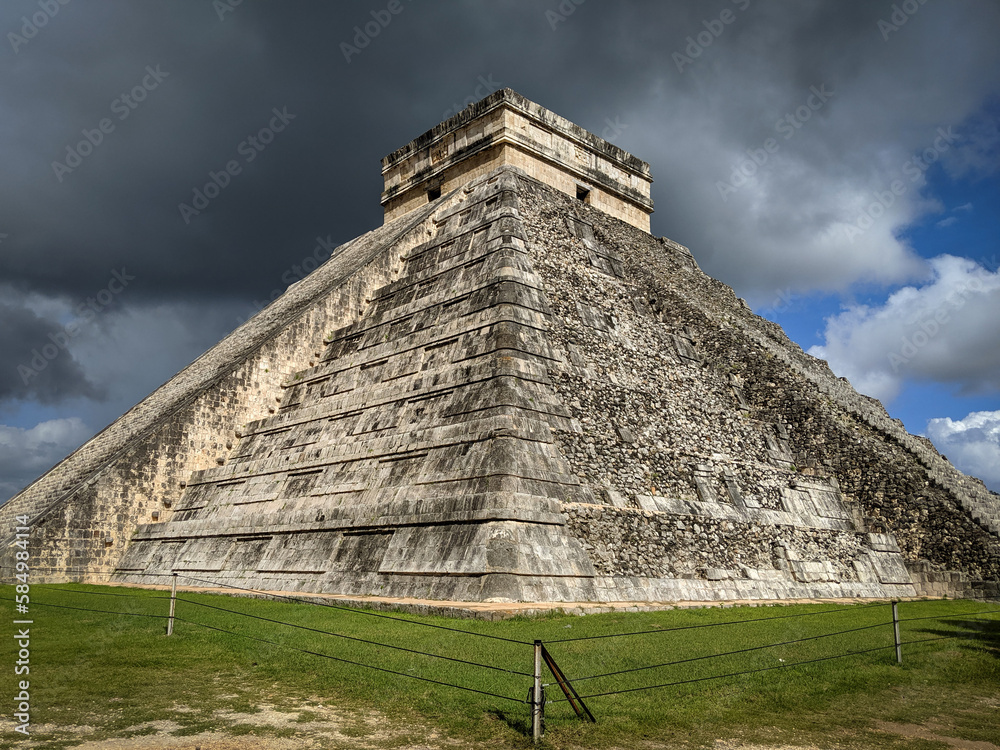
(512, 391)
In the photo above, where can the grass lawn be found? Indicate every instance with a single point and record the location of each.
(97, 675)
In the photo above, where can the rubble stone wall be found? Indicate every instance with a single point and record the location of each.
(510, 394)
(684, 393)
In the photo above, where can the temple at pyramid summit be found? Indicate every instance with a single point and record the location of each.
(512, 391)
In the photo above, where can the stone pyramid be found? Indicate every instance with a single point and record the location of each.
(511, 391)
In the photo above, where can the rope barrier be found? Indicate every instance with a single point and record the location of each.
(84, 609)
(731, 653)
(300, 600)
(718, 624)
(348, 661)
(952, 617)
(935, 638)
(354, 610)
(731, 674)
(307, 651)
(364, 665)
(106, 593)
(781, 666)
(353, 638)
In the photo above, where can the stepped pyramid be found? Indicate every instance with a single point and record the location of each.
(511, 391)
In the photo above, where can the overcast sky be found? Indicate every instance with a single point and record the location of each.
(835, 162)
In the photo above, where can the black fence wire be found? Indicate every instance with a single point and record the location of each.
(320, 603)
(791, 642)
(778, 666)
(105, 593)
(657, 631)
(312, 602)
(353, 610)
(349, 661)
(729, 674)
(895, 644)
(286, 645)
(355, 638)
(264, 619)
(950, 617)
(728, 653)
(101, 611)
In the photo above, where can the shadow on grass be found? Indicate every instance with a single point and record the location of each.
(984, 634)
(516, 721)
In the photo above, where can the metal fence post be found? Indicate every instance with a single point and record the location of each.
(173, 603)
(895, 632)
(537, 699)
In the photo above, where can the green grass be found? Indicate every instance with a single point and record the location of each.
(117, 672)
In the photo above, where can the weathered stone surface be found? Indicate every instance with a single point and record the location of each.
(508, 394)
(507, 129)
(84, 511)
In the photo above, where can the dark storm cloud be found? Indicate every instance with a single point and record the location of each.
(221, 79)
(37, 363)
(116, 113)
(26, 453)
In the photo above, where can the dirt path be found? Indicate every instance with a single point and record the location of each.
(312, 725)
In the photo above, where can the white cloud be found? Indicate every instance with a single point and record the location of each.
(774, 210)
(26, 453)
(948, 221)
(792, 225)
(972, 444)
(126, 351)
(944, 331)
(134, 350)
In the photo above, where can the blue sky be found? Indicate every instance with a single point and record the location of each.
(960, 219)
(968, 226)
(770, 134)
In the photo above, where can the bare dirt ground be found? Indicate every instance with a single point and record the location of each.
(313, 725)
(329, 729)
(309, 726)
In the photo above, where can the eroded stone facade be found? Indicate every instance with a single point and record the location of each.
(508, 393)
(507, 129)
(85, 510)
